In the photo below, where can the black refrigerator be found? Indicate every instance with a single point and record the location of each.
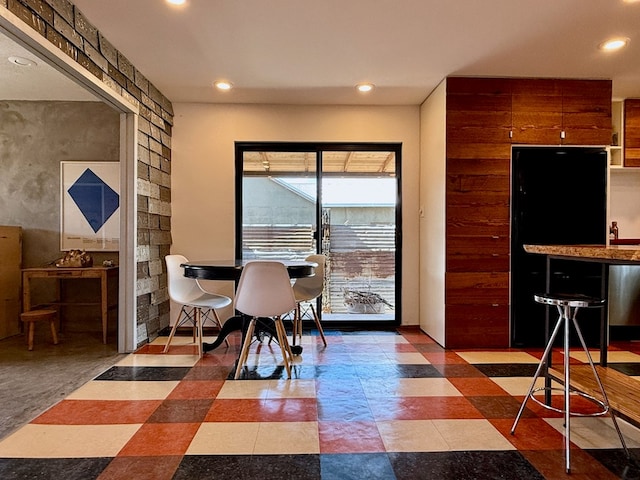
(558, 196)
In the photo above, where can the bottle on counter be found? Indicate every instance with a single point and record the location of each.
(613, 231)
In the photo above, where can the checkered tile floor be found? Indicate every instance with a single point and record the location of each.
(374, 405)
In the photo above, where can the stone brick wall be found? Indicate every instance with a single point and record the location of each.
(60, 22)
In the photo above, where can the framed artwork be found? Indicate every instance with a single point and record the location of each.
(90, 206)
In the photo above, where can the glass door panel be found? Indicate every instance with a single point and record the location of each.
(359, 196)
(279, 203)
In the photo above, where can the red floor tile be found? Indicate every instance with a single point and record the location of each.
(160, 439)
(98, 412)
(196, 389)
(477, 386)
(422, 408)
(353, 437)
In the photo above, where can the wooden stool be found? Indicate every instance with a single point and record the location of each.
(33, 316)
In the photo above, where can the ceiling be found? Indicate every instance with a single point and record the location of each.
(36, 82)
(304, 52)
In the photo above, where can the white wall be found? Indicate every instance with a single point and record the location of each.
(624, 201)
(433, 220)
(203, 175)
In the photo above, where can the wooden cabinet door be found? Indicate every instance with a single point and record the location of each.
(478, 110)
(536, 111)
(559, 111)
(632, 133)
(586, 112)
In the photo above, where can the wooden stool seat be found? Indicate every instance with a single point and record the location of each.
(33, 316)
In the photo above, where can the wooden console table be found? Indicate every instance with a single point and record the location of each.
(104, 274)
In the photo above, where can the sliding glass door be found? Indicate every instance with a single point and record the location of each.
(340, 200)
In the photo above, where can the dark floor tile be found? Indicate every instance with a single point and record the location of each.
(499, 407)
(213, 466)
(144, 373)
(181, 411)
(278, 467)
(52, 468)
(214, 372)
(507, 369)
(616, 461)
(397, 371)
(245, 467)
(459, 371)
(428, 347)
(462, 466)
(418, 371)
(632, 369)
(370, 466)
(157, 468)
(275, 372)
(336, 371)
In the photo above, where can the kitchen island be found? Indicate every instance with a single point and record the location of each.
(623, 391)
(604, 254)
(612, 254)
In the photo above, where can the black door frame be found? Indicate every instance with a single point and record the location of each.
(318, 148)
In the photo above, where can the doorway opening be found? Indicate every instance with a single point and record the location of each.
(339, 200)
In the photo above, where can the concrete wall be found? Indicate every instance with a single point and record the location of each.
(202, 180)
(34, 138)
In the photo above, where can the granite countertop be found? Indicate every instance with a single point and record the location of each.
(614, 253)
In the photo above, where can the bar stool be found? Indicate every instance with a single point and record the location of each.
(568, 306)
(32, 316)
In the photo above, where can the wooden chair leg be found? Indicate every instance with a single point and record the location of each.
(175, 327)
(244, 353)
(282, 341)
(32, 327)
(317, 320)
(54, 333)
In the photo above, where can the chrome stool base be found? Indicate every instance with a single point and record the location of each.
(568, 306)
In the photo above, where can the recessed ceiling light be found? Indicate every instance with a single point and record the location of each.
(177, 2)
(22, 62)
(613, 44)
(364, 87)
(223, 85)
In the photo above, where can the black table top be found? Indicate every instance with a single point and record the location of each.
(231, 269)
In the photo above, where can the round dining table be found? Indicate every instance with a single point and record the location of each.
(231, 270)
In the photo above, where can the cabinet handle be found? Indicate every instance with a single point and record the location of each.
(495, 304)
(510, 133)
(562, 134)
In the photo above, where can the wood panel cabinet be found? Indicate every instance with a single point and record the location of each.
(632, 133)
(477, 214)
(10, 280)
(484, 117)
(559, 111)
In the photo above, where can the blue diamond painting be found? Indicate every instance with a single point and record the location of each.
(96, 200)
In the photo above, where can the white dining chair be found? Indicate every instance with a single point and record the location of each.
(198, 305)
(306, 291)
(264, 290)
